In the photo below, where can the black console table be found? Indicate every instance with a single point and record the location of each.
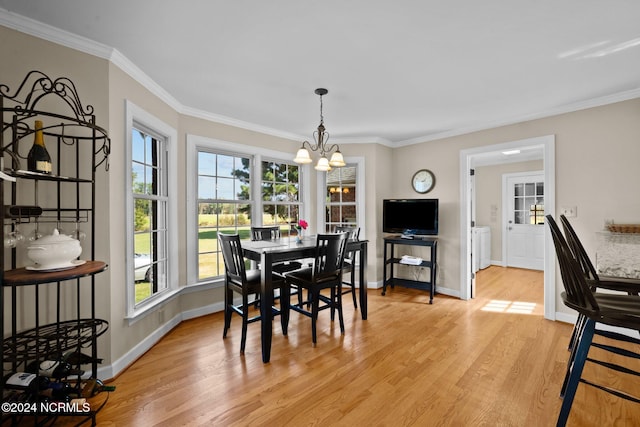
(390, 259)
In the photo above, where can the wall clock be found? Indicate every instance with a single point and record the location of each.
(423, 181)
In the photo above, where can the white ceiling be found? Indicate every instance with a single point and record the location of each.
(397, 71)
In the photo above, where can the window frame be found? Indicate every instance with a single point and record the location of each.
(137, 117)
(359, 162)
(231, 201)
(195, 143)
(288, 204)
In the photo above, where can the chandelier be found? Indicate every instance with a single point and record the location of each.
(321, 137)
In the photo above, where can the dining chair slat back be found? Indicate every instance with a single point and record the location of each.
(349, 265)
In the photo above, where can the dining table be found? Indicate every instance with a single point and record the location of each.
(268, 252)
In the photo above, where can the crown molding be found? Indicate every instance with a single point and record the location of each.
(363, 140)
(53, 34)
(568, 108)
(205, 115)
(122, 62)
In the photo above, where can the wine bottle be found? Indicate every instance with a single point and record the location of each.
(57, 391)
(38, 159)
(77, 358)
(53, 369)
(94, 386)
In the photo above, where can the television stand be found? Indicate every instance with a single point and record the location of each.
(390, 260)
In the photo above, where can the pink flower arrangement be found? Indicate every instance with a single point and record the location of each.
(303, 224)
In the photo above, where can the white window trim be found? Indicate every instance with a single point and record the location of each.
(195, 143)
(135, 114)
(360, 190)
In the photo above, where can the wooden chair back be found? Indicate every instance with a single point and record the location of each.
(233, 257)
(578, 295)
(578, 249)
(329, 256)
(265, 233)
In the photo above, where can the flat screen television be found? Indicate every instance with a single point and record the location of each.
(410, 216)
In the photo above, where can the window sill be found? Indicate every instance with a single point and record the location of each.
(151, 306)
(160, 300)
(203, 286)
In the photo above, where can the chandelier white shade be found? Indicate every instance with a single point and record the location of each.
(321, 137)
(303, 156)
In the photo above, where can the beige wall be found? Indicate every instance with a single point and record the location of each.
(596, 170)
(489, 198)
(596, 152)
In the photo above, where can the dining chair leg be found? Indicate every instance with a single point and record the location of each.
(228, 295)
(353, 286)
(333, 303)
(315, 304)
(576, 334)
(339, 307)
(582, 349)
(285, 304)
(245, 321)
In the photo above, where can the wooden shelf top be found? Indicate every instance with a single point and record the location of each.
(22, 276)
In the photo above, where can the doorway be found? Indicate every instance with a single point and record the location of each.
(523, 220)
(470, 157)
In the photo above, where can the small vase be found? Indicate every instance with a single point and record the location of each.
(299, 236)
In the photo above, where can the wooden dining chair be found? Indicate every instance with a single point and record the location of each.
(619, 310)
(627, 285)
(325, 274)
(349, 266)
(242, 281)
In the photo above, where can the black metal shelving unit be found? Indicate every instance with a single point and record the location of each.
(51, 312)
(390, 259)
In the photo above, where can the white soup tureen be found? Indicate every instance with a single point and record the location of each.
(54, 251)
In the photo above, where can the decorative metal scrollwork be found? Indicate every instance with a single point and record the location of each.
(36, 85)
(24, 104)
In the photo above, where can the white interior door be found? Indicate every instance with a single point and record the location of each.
(524, 222)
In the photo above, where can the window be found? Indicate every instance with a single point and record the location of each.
(224, 205)
(340, 197)
(529, 203)
(151, 268)
(231, 187)
(149, 194)
(280, 187)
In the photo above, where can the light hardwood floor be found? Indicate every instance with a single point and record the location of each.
(491, 361)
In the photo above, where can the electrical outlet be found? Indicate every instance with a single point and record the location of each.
(569, 211)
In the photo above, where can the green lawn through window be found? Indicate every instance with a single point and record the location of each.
(207, 242)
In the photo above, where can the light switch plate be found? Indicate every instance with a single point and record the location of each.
(569, 211)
